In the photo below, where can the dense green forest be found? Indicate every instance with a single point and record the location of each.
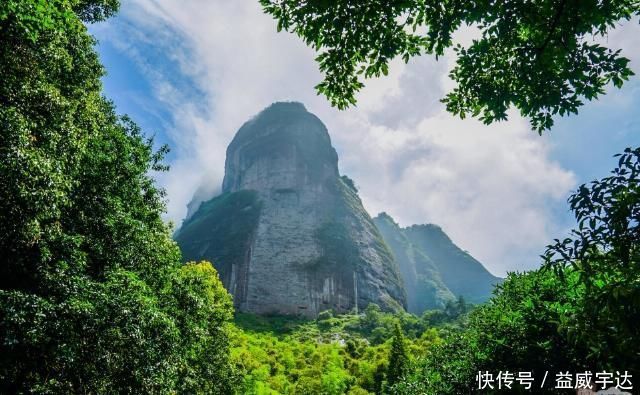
(356, 354)
(94, 297)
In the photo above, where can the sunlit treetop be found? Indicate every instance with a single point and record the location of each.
(543, 57)
(95, 10)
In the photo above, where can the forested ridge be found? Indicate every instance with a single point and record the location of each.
(94, 297)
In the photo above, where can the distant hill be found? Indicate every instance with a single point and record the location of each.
(433, 268)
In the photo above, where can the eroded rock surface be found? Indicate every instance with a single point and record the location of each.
(288, 234)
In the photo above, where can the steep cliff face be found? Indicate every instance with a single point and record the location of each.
(288, 234)
(460, 272)
(434, 269)
(423, 284)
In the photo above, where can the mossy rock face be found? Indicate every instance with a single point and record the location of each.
(289, 235)
(352, 245)
(423, 284)
(221, 232)
(462, 273)
(434, 269)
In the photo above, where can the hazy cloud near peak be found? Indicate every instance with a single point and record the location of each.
(488, 187)
(416, 97)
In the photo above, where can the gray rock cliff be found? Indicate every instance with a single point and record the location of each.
(288, 234)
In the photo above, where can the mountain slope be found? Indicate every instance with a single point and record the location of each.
(461, 272)
(425, 289)
(433, 268)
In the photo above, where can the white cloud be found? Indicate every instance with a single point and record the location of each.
(489, 187)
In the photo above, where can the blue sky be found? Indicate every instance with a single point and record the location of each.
(192, 74)
(126, 84)
(586, 142)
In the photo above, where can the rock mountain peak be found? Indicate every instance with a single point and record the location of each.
(289, 234)
(285, 146)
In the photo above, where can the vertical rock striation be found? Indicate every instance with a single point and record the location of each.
(288, 234)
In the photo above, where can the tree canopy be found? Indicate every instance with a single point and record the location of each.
(577, 313)
(604, 251)
(94, 297)
(543, 57)
(398, 358)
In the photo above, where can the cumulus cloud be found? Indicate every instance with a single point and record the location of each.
(489, 187)
(417, 96)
